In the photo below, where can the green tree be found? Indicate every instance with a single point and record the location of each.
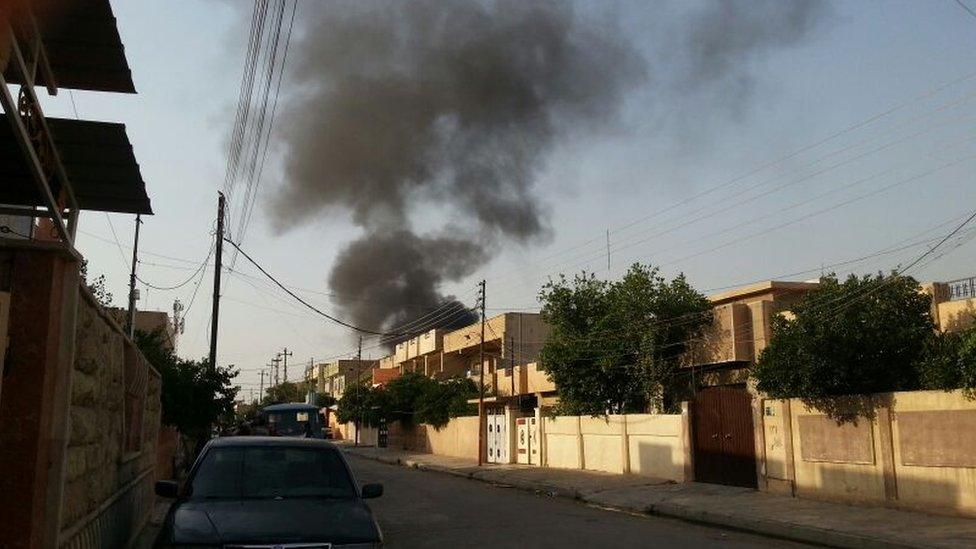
(96, 286)
(615, 346)
(405, 395)
(361, 404)
(323, 400)
(950, 362)
(447, 399)
(861, 336)
(285, 391)
(194, 396)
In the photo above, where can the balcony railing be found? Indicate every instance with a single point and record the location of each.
(964, 288)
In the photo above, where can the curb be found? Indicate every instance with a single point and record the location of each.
(773, 529)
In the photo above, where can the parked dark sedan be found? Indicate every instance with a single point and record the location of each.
(269, 492)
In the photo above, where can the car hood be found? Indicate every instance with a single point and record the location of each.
(271, 521)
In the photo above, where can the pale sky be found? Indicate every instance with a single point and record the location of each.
(909, 64)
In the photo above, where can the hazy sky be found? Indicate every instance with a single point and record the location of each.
(787, 200)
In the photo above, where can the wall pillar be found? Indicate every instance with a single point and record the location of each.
(887, 454)
(542, 442)
(579, 442)
(624, 445)
(686, 443)
(34, 405)
(788, 443)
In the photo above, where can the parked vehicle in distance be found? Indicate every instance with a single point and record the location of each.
(269, 492)
(294, 420)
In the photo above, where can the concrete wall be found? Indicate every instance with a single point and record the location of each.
(459, 438)
(917, 452)
(642, 444)
(368, 436)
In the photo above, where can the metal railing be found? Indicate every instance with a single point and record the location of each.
(964, 288)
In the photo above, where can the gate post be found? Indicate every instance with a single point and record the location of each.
(686, 444)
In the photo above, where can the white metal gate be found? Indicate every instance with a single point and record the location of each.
(533, 427)
(497, 437)
(523, 439)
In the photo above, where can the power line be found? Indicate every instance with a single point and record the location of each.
(846, 130)
(302, 301)
(683, 221)
(969, 10)
(202, 266)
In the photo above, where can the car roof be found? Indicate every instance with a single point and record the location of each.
(284, 442)
(290, 406)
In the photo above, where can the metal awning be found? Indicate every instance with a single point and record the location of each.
(98, 161)
(83, 48)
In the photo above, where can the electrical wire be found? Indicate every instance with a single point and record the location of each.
(302, 301)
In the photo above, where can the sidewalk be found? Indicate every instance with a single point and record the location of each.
(785, 517)
(147, 536)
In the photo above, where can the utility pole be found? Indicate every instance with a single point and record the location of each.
(359, 360)
(276, 361)
(359, 381)
(511, 362)
(286, 354)
(132, 281)
(216, 290)
(481, 392)
(261, 391)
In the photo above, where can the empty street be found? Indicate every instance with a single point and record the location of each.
(424, 509)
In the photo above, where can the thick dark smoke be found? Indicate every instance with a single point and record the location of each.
(725, 37)
(395, 267)
(447, 102)
(406, 110)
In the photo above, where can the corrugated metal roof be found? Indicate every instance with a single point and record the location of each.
(97, 159)
(84, 49)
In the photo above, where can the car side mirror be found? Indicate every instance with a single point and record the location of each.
(170, 489)
(371, 491)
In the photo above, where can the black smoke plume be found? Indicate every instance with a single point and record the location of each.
(446, 109)
(404, 105)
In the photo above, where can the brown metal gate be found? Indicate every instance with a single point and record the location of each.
(725, 450)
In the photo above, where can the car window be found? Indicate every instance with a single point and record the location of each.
(295, 472)
(272, 472)
(219, 474)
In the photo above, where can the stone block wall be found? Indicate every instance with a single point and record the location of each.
(100, 474)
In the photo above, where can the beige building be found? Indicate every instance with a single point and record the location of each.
(422, 353)
(148, 321)
(953, 303)
(332, 378)
(511, 339)
(741, 328)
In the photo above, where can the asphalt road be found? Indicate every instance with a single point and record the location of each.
(426, 509)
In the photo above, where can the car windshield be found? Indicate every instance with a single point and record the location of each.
(271, 472)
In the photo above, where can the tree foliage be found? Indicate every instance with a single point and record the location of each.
(614, 345)
(362, 405)
(323, 400)
(950, 362)
(194, 396)
(96, 286)
(284, 392)
(857, 337)
(411, 398)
